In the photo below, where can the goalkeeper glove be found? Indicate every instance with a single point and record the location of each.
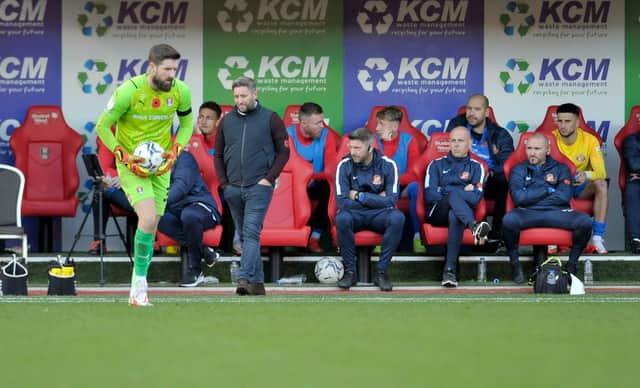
(131, 162)
(169, 159)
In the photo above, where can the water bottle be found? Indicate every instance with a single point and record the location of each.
(482, 270)
(234, 271)
(588, 272)
(295, 279)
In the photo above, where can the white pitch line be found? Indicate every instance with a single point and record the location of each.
(159, 300)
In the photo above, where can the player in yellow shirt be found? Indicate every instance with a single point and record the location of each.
(143, 109)
(590, 180)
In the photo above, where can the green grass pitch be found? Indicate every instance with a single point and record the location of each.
(322, 341)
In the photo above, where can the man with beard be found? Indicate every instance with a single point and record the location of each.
(143, 109)
(252, 147)
(590, 182)
(366, 195)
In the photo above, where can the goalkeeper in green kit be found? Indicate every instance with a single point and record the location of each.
(143, 109)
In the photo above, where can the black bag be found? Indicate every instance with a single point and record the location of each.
(13, 277)
(550, 278)
(62, 278)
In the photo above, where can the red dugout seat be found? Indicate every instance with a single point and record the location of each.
(225, 109)
(492, 116)
(285, 224)
(405, 125)
(211, 237)
(290, 115)
(46, 149)
(539, 236)
(437, 235)
(630, 127)
(549, 123)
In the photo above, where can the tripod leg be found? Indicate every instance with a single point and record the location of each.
(78, 233)
(122, 238)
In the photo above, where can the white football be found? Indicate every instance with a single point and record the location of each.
(152, 154)
(329, 270)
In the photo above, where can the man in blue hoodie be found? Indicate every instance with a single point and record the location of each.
(190, 211)
(541, 191)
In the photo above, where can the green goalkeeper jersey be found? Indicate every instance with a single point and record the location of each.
(145, 114)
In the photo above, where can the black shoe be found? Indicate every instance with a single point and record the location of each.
(192, 278)
(348, 280)
(480, 231)
(516, 270)
(571, 268)
(211, 256)
(449, 279)
(256, 289)
(635, 246)
(243, 287)
(382, 280)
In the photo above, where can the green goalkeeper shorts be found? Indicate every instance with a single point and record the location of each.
(138, 188)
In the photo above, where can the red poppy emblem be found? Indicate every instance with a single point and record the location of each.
(155, 102)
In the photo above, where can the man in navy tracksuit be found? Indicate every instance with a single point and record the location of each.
(453, 187)
(631, 154)
(541, 190)
(190, 211)
(494, 145)
(366, 194)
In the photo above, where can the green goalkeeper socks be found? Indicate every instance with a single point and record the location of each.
(142, 252)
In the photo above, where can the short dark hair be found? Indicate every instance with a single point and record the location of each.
(213, 106)
(363, 134)
(246, 82)
(160, 52)
(391, 113)
(309, 108)
(569, 108)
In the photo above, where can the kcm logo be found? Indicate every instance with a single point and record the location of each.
(375, 15)
(517, 76)
(519, 17)
(22, 11)
(94, 77)
(274, 67)
(517, 14)
(94, 19)
(236, 14)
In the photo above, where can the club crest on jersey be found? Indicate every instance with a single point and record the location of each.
(464, 175)
(139, 189)
(580, 158)
(155, 102)
(169, 101)
(550, 178)
(377, 179)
